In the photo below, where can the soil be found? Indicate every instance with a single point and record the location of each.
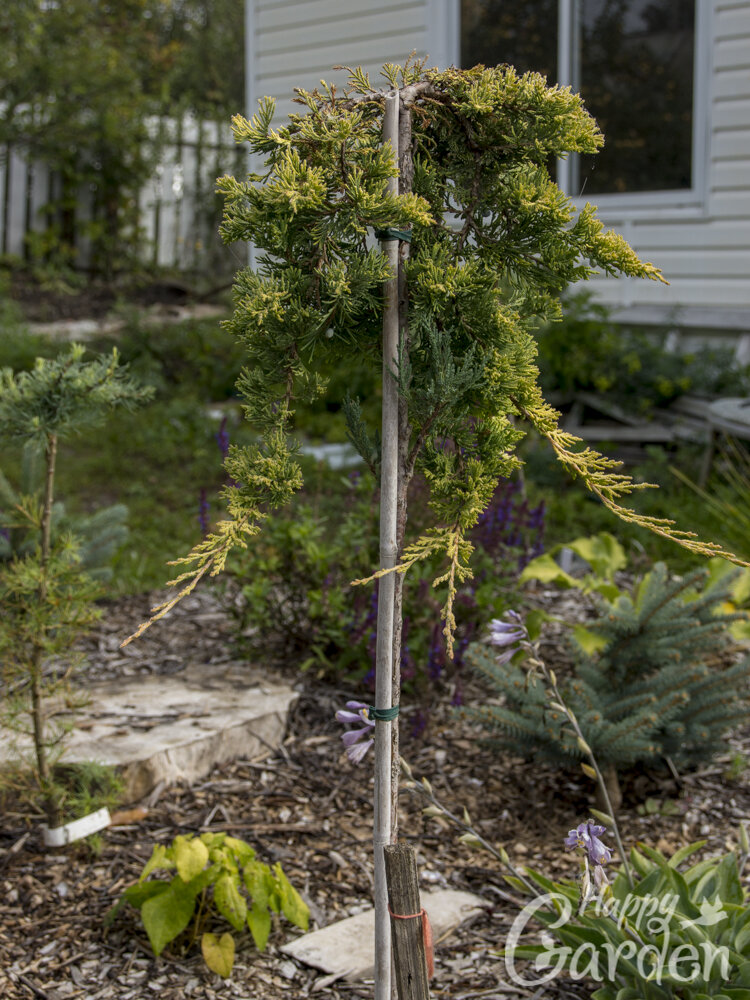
(309, 808)
(95, 300)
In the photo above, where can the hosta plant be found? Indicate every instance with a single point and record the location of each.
(672, 935)
(215, 878)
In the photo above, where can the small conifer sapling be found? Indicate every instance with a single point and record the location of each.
(47, 599)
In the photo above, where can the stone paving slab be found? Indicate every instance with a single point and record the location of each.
(345, 949)
(177, 727)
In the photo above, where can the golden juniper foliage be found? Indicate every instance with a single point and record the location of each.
(494, 244)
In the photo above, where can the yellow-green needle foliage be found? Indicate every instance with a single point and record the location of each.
(493, 242)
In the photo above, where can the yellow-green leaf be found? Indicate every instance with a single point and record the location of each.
(259, 922)
(229, 901)
(159, 859)
(293, 905)
(167, 915)
(191, 856)
(588, 641)
(218, 953)
(545, 569)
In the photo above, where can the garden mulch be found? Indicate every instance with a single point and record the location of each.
(308, 808)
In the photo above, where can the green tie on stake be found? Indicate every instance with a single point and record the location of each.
(493, 245)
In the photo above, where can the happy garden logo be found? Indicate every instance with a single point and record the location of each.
(641, 918)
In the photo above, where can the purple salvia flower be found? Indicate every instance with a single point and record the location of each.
(353, 739)
(586, 836)
(418, 724)
(222, 438)
(203, 513)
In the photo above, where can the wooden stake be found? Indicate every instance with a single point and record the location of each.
(386, 591)
(409, 953)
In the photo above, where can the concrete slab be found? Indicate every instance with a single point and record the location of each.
(177, 727)
(345, 949)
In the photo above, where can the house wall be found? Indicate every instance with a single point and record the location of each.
(703, 249)
(297, 42)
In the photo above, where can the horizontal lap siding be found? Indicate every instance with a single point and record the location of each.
(297, 44)
(704, 252)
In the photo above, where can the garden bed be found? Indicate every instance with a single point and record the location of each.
(308, 808)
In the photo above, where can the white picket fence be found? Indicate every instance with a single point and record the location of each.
(178, 209)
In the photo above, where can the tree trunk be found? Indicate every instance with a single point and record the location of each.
(37, 656)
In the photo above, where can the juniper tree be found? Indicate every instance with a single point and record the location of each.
(486, 243)
(657, 687)
(46, 597)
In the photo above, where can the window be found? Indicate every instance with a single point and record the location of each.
(632, 62)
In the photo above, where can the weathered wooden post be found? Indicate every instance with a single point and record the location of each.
(382, 834)
(410, 926)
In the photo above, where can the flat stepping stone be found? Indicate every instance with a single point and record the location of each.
(176, 728)
(346, 949)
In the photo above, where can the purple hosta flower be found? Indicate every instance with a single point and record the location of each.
(586, 836)
(353, 739)
(508, 633)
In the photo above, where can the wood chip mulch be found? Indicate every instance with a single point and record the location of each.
(308, 808)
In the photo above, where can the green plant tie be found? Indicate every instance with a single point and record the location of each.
(382, 714)
(394, 234)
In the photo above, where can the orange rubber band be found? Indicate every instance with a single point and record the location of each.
(426, 936)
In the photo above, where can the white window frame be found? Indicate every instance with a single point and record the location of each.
(445, 36)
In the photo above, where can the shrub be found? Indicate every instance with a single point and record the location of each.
(295, 582)
(652, 686)
(588, 351)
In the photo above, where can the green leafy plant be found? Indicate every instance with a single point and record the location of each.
(602, 552)
(47, 598)
(587, 351)
(215, 875)
(296, 601)
(726, 497)
(655, 685)
(669, 934)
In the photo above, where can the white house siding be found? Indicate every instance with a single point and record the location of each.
(703, 249)
(298, 42)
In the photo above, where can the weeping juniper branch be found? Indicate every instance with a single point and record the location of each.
(493, 244)
(599, 475)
